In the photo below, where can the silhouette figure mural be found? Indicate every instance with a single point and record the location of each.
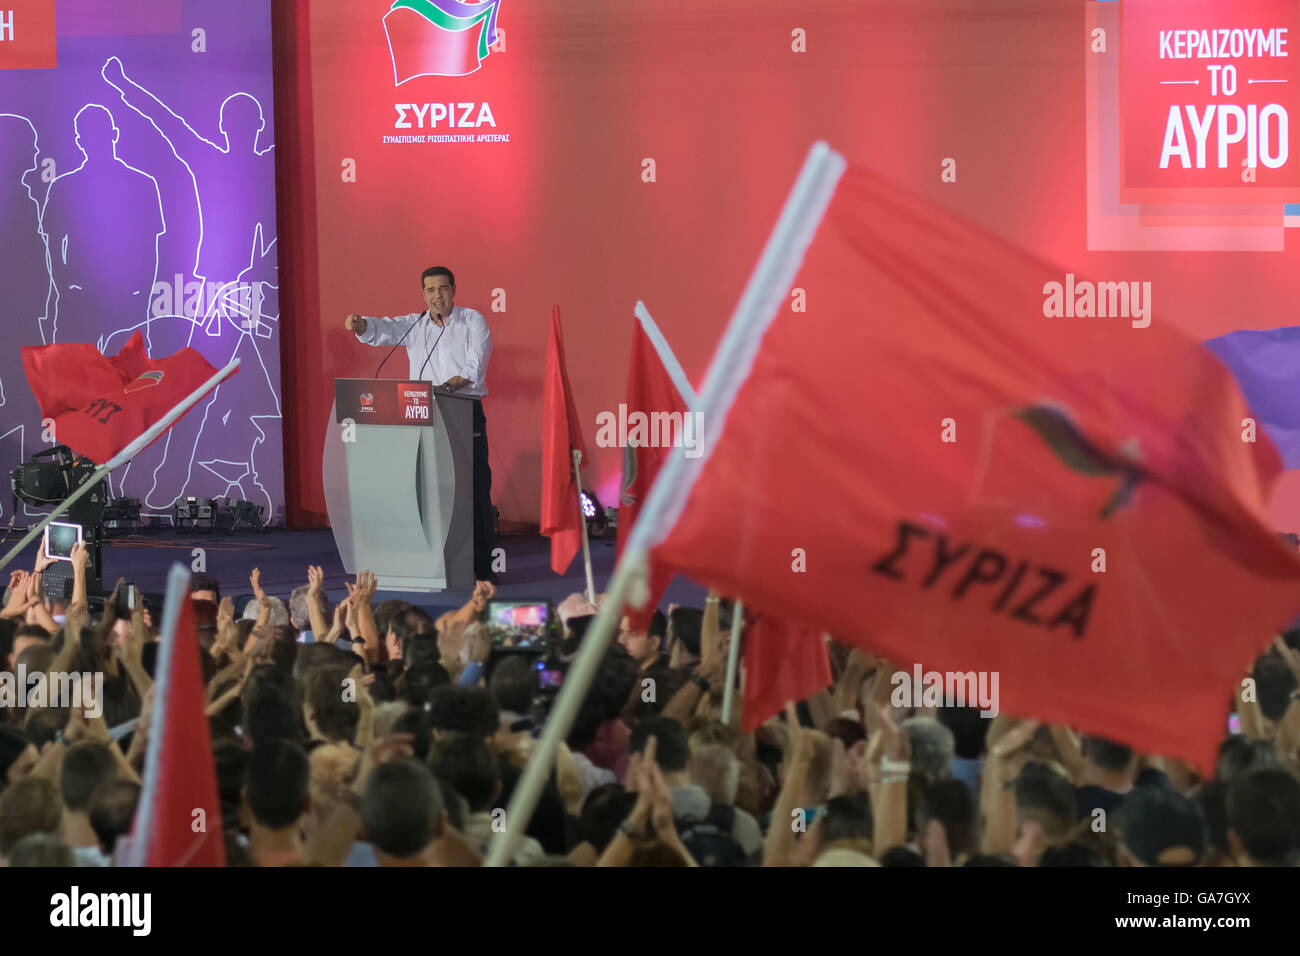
(131, 200)
(100, 273)
(22, 259)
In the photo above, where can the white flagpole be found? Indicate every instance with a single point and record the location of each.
(666, 356)
(586, 548)
(763, 296)
(733, 658)
(122, 457)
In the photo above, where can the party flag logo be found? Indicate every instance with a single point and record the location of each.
(439, 37)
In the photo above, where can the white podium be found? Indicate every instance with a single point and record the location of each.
(398, 472)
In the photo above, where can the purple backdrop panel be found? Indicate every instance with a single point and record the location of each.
(137, 191)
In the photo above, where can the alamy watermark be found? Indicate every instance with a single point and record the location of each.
(639, 429)
(946, 689)
(56, 689)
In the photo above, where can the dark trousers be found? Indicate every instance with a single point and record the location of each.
(484, 525)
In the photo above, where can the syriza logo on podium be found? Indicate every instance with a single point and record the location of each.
(439, 37)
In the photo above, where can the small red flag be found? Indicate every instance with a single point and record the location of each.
(561, 433)
(179, 820)
(784, 662)
(652, 396)
(943, 467)
(100, 404)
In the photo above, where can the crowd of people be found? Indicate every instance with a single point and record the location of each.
(366, 734)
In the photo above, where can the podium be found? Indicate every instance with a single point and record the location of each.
(398, 472)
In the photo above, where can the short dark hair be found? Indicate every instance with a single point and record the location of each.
(1107, 754)
(1212, 798)
(31, 630)
(513, 683)
(420, 681)
(408, 622)
(1264, 812)
(402, 808)
(1239, 753)
(437, 271)
(418, 724)
(314, 655)
(901, 856)
(42, 849)
(847, 731)
(672, 746)
(86, 766)
(847, 818)
(271, 714)
(1072, 854)
(385, 612)
(205, 582)
(686, 623)
(468, 764)
(1274, 684)
(232, 764)
(43, 724)
(658, 626)
(335, 717)
(950, 802)
(112, 808)
(13, 744)
(969, 730)
(277, 778)
(29, 806)
(616, 675)
(268, 675)
(467, 710)
(1046, 796)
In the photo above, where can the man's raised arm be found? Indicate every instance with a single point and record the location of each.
(171, 126)
(372, 331)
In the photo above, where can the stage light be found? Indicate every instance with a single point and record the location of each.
(191, 511)
(244, 514)
(122, 514)
(597, 525)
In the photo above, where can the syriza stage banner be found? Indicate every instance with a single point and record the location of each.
(137, 195)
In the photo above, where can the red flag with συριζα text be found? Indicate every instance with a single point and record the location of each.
(100, 404)
(942, 468)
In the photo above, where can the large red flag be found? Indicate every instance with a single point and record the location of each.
(943, 467)
(100, 404)
(179, 820)
(784, 662)
(561, 433)
(653, 395)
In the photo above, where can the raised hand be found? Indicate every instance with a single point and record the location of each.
(225, 613)
(255, 580)
(315, 580)
(19, 595)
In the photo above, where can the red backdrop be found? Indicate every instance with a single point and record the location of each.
(725, 96)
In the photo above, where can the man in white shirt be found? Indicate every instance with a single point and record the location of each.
(449, 345)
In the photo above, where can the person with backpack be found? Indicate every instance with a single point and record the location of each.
(717, 833)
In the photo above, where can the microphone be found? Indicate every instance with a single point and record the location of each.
(419, 377)
(398, 345)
